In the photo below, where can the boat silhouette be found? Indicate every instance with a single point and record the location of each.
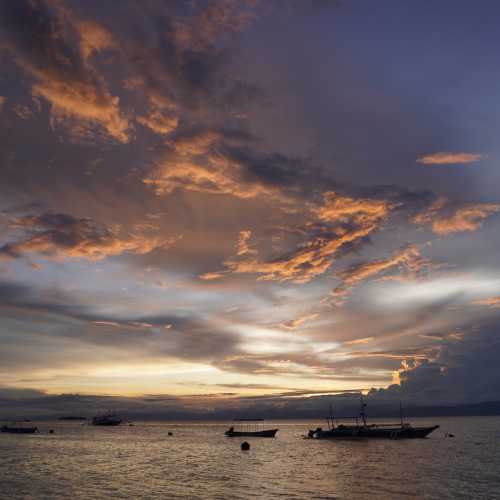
(108, 419)
(16, 428)
(360, 428)
(250, 427)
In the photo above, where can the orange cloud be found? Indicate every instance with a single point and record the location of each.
(242, 246)
(344, 208)
(64, 76)
(492, 302)
(408, 258)
(444, 158)
(448, 219)
(364, 340)
(93, 38)
(293, 324)
(211, 276)
(163, 115)
(61, 236)
(353, 219)
(197, 165)
(216, 19)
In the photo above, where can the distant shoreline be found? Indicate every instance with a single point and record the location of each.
(486, 409)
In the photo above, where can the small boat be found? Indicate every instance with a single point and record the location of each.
(361, 429)
(18, 429)
(108, 419)
(250, 427)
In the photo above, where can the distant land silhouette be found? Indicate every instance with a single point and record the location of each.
(37, 405)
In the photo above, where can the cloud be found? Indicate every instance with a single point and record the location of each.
(202, 161)
(161, 119)
(446, 217)
(201, 31)
(295, 323)
(408, 257)
(464, 371)
(493, 302)
(61, 236)
(444, 158)
(44, 41)
(242, 246)
(83, 336)
(363, 340)
(343, 223)
(345, 208)
(211, 276)
(94, 38)
(181, 56)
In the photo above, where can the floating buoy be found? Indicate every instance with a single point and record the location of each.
(245, 446)
(170, 434)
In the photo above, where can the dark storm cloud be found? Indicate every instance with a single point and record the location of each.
(464, 371)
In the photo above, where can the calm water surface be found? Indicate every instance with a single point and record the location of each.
(143, 462)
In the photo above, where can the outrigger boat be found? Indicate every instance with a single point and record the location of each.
(250, 427)
(18, 429)
(108, 419)
(361, 429)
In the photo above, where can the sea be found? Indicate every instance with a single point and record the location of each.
(141, 461)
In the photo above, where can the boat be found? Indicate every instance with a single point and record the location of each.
(108, 419)
(18, 429)
(250, 427)
(362, 429)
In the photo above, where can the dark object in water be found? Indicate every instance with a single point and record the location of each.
(250, 427)
(108, 419)
(18, 429)
(449, 435)
(72, 418)
(245, 446)
(170, 434)
(51, 431)
(361, 429)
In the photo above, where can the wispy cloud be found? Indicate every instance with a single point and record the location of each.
(446, 217)
(447, 158)
(408, 257)
(295, 323)
(343, 221)
(493, 302)
(60, 236)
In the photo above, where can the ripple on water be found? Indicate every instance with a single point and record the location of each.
(82, 462)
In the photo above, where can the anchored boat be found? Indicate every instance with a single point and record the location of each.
(362, 429)
(16, 428)
(249, 427)
(108, 419)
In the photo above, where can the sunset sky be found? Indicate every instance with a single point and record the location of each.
(250, 198)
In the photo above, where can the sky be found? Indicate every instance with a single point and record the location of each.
(210, 202)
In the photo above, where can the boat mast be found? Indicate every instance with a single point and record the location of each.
(331, 424)
(362, 413)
